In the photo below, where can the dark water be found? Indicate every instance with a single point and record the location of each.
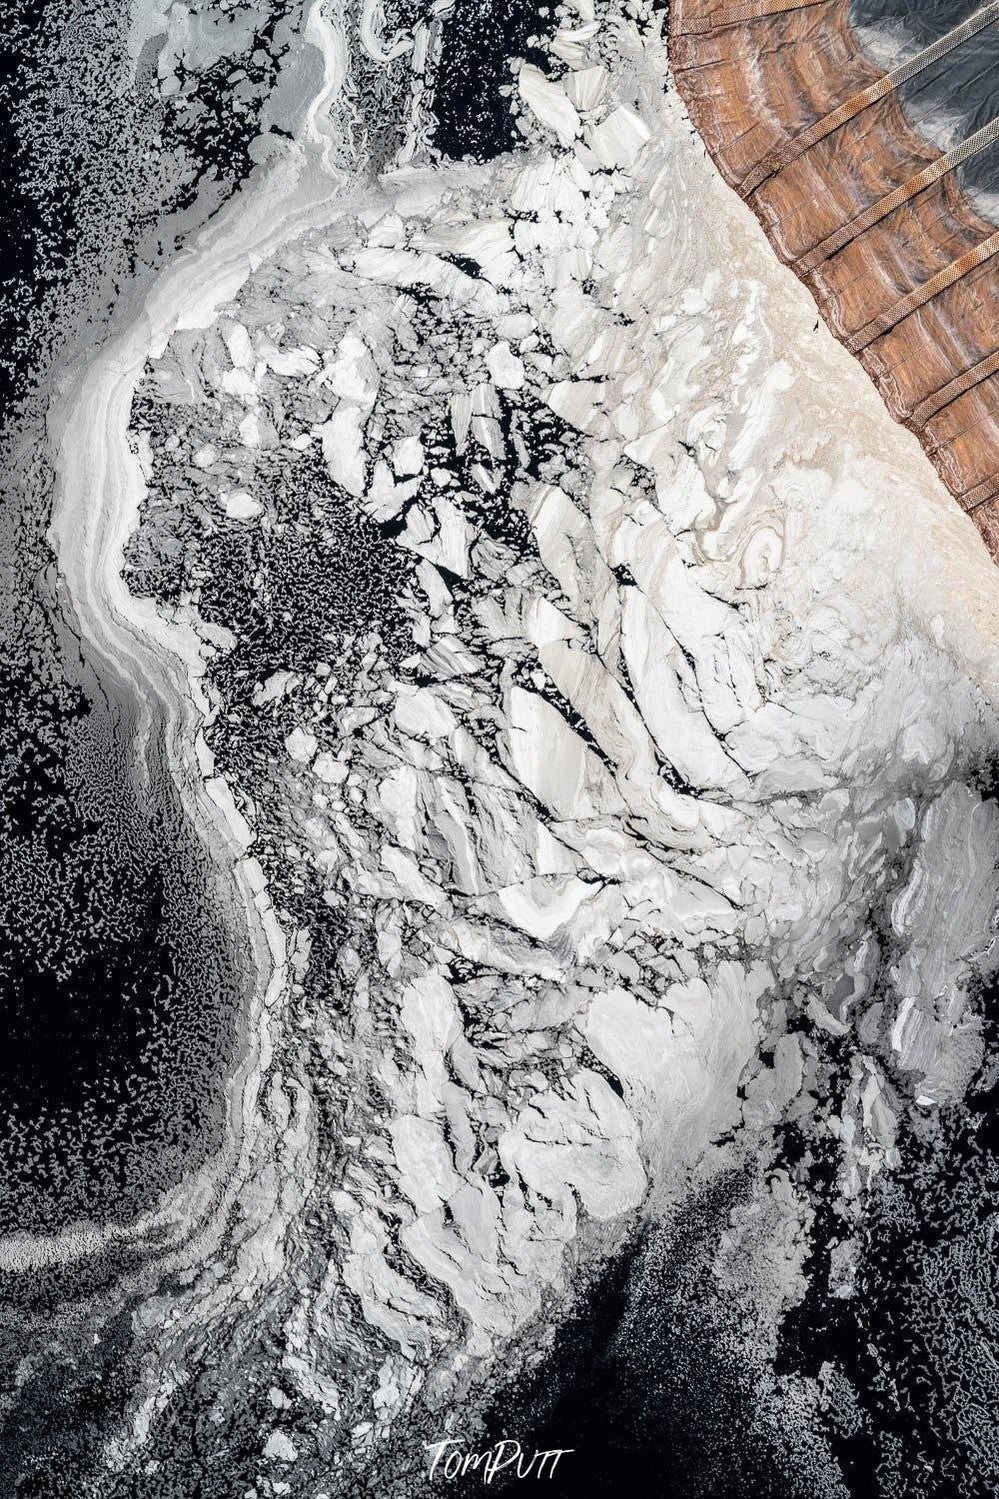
(480, 37)
(647, 1386)
(956, 95)
(646, 1389)
(118, 981)
(119, 984)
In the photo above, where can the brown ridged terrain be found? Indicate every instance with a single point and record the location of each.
(915, 294)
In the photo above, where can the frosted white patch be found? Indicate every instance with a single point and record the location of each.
(554, 763)
(442, 537)
(584, 1139)
(343, 448)
(350, 373)
(423, 713)
(587, 87)
(579, 403)
(425, 1163)
(505, 369)
(548, 102)
(241, 384)
(275, 687)
(242, 506)
(407, 456)
(539, 907)
(280, 1446)
(300, 361)
(617, 140)
(329, 769)
(301, 745)
(237, 341)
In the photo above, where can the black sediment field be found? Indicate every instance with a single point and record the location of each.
(118, 976)
(637, 1383)
(119, 983)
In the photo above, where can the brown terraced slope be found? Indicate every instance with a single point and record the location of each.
(869, 214)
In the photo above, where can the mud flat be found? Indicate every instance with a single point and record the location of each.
(867, 212)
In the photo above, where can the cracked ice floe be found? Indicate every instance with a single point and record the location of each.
(592, 806)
